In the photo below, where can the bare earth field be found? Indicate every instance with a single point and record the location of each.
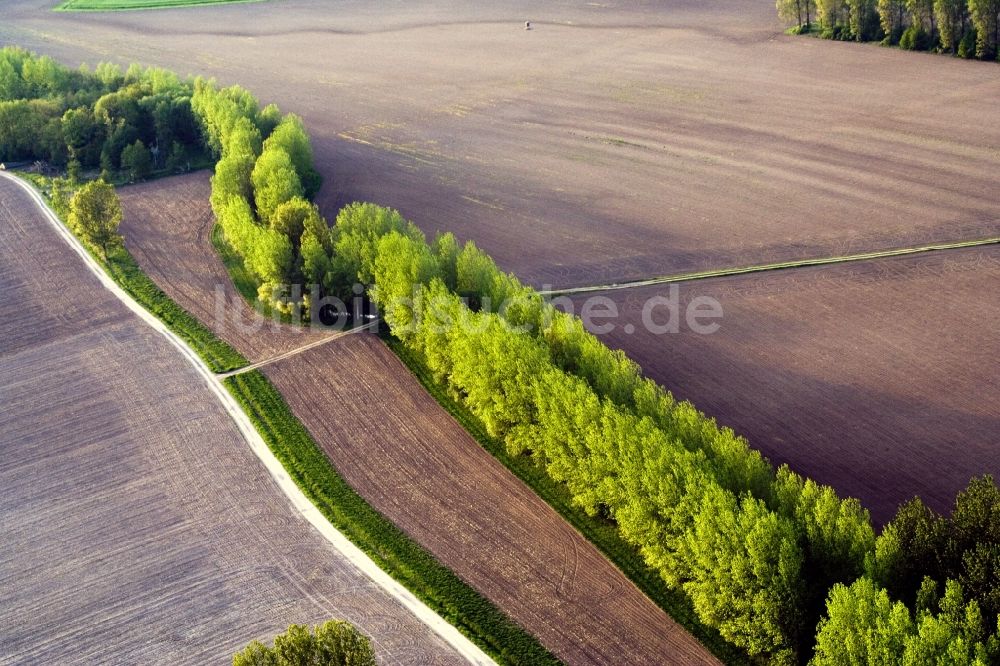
(404, 454)
(615, 140)
(138, 526)
(878, 378)
(623, 140)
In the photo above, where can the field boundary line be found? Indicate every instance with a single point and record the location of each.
(448, 633)
(763, 268)
(296, 351)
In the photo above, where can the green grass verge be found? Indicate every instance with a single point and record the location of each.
(392, 550)
(219, 356)
(398, 555)
(602, 533)
(125, 5)
(124, 269)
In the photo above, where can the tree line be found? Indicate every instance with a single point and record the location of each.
(762, 554)
(777, 563)
(261, 195)
(124, 124)
(781, 566)
(966, 28)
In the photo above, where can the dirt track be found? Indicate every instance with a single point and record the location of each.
(415, 464)
(138, 526)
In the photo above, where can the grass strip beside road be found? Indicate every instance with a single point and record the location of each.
(130, 5)
(600, 532)
(124, 270)
(383, 542)
(394, 552)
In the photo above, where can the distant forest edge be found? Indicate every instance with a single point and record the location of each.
(124, 5)
(965, 28)
(779, 565)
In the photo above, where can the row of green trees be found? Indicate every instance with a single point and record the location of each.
(130, 123)
(780, 565)
(761, 553)
(261, 190)
(967, 28)
(757, 551)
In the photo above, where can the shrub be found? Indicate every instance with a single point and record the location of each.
(333, 643)
(915, 38)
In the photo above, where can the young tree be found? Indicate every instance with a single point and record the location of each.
(95, 214)
(986, 19)
(274, 182)
(832, 14)
(893, 18)
(358, 228)
(952, 20)
(862, 626)
(136, 161)
(290, 136)
(864, 19)
(446, 248)
(791, 11)
(403, 266)
(746, 574)
(333, 643)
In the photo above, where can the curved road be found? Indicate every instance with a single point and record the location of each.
(138, 525)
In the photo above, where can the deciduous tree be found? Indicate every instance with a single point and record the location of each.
(95, 214)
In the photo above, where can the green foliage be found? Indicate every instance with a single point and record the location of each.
(745, 568)
(95, 213)
(274, 182)
(57, 115)
(864, 20)
(290, 136)
(952, 17)
(836, 534)
(832, 14)
(892, 18)
(915, 39)
(402, 266)
(985, 15)
(136, 161)
(967, 47)
(358, 228)
(333, 643)
(964, 547)
(863, 626)
(128, 5)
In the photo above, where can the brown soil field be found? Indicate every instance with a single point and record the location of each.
(627, 139)
(614, 140)
(879, 378)
(414, 463)
(138, 526)
(179, 241)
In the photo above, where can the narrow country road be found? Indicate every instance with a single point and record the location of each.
(134, 514)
